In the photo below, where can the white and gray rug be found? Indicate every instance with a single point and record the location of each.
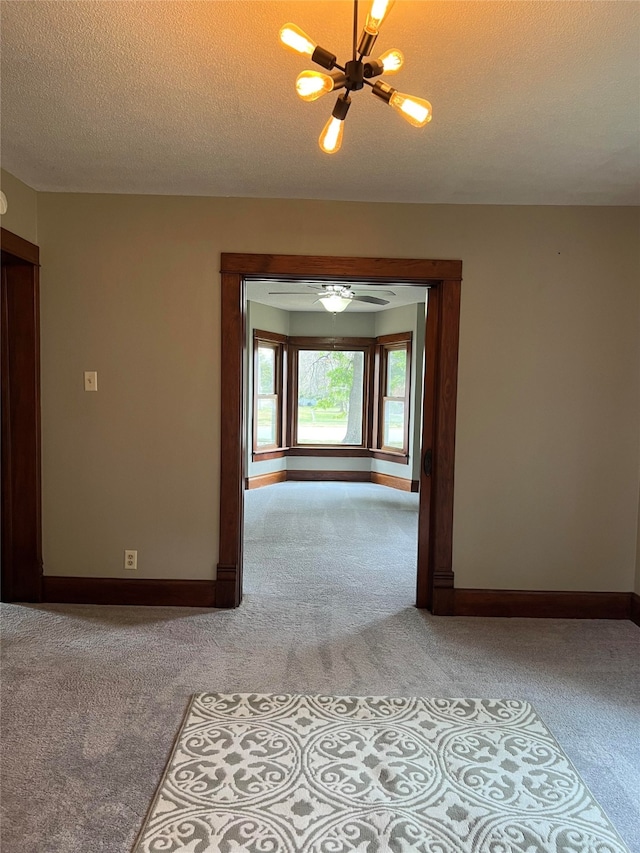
(268, 773)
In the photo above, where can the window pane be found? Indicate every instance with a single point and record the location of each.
(266, 431)
(393, 423)
(266, 369)
(330, 394)
(396, 372)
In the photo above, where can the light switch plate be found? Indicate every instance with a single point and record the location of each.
(91, 380)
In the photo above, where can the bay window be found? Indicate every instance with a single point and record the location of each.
(317, 396)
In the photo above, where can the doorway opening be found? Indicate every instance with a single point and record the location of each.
(436, 455)
(334, 404)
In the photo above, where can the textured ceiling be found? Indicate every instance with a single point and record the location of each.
(534, 102)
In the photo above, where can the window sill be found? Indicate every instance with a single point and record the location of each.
(315, 450)
(271, 453)
(330, 452)
(390, 456)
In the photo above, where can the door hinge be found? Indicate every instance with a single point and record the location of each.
(427, 462)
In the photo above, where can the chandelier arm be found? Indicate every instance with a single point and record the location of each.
(355, 29)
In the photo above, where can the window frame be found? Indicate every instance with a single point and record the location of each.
(278, 343)
(374, 381)
(330, 344)
(386, 344)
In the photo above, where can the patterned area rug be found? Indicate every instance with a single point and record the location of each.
(326, 774)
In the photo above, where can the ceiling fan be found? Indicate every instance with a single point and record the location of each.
(336, 297)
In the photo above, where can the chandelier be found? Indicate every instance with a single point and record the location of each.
(354, 75)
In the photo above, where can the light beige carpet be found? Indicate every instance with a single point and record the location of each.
(284, 773)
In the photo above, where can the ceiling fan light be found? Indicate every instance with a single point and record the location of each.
(379, 11)
(416, 111)
(311, 85)
(392, 61)
(297, 40)
(334, 303)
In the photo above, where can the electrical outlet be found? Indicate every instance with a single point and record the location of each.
(131, 560)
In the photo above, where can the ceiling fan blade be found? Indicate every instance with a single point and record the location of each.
(289, 293)
(372, 299)
(354, 286)
(331, 286)
(377, 290)
(285, 281)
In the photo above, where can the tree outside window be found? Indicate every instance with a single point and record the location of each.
(330, 397)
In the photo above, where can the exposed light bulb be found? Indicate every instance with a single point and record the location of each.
(311, 85)
(415, 110)
(392, 61)
(295, 39)
(335, 303)
(379, 11)
(331, 137)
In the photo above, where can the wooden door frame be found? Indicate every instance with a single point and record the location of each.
(435, 537)
(21, 487)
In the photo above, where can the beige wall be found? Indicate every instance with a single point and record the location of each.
(637, 583)
(548, 406)
(346, 325)
(21, 215)
(637, 578)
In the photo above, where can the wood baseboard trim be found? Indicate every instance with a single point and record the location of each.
(265, 479)
(542, 604)
(466, 602)
(346, 476)
(228, 593)
(174, 593)
(342, 476)
(394, 482)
